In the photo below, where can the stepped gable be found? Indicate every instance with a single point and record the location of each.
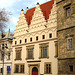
(46, 9)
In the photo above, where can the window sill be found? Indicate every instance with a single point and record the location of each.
(29, 58)
(43, 57)
(55, 56)
(8, 59)
(17, 59)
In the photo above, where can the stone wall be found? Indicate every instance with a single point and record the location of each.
(65, 30)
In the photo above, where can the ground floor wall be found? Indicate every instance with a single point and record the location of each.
(39, 64)
(66, 66)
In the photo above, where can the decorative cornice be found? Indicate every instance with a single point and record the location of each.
(38, 32)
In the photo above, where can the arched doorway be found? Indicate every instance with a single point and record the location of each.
(34, 71)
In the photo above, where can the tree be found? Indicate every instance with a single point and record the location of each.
(4, 18)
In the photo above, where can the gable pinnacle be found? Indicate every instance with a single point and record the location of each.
(22, 10)
(37, 3)
(27, 7)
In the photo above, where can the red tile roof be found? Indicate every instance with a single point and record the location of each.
(46, 9)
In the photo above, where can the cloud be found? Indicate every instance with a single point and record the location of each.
(6, 3)
(13, 20)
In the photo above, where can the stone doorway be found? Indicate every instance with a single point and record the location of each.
(34, 71)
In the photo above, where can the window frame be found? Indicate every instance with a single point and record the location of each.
(68, 46)
(68, 9)
(36, 38)
(65, 8)
(20, 41)
(45, 68)
(9, 55)
(31, 39)
(25, 40)
(30, 50)
(71, 70)
(19, 68)
(43, 47)
(50, 35)
(43, 36)
(17, 50)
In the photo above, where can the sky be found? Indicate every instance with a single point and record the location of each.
(15, 6)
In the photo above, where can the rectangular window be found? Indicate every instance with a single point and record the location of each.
(36, 37)
(8, 56)
(44, 50)
(19, 68)
(20, 41)
(56, 48)
(43, 36)
(2, 46)
(68, 11)
(1, 70)
(30, 52)
(15, 42)
(22, 68)
(47, 68)
(25, 40)
(30, 39)
(50, 35)
(71, 68)
(69, 43)
(18, 53)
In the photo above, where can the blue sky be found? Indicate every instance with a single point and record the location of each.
(15, 6)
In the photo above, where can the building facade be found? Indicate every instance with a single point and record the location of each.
(34, 51)
(6, 52)
(66, 36)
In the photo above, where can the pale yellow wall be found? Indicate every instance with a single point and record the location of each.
(36, 28)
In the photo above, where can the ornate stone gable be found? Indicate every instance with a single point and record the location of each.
(21, 24)
(52, 21)
(38, 19)
(38, 16)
